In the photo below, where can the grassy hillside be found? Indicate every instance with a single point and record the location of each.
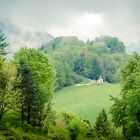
(86, 101)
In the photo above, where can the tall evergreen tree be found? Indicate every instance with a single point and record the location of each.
(3, 44)
(102, 125)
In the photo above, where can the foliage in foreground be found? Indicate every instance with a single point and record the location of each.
(60, 126)
(126, 109)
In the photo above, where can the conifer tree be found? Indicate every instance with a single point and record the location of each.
(3, 44)
(102, 125)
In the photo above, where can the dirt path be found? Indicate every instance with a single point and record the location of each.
(90, 83)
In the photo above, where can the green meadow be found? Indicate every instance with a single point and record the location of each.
(86, 101)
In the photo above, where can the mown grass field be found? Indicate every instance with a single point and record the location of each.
(86, 101)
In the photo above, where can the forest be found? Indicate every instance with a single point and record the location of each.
(31, 78)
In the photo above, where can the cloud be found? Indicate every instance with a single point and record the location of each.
(84, 18)
(17, 37)
(86, 25)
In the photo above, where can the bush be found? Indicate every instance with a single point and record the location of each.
(17, 133)
(77, 128)
(2, 138)
(135, 138)
(67, 116)
(115, 133)
(59, 131)
(11, 118)
(11, 138)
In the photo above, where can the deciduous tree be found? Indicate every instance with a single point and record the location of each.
(9, 97)
(126, 109)
(37, 80)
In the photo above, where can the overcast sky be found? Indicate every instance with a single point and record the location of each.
(82, 18)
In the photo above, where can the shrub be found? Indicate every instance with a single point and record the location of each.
(17, 133)
(76, 128)
(59, 132)
(2, 138)
(67, 116)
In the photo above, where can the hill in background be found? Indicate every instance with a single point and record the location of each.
(75, 60)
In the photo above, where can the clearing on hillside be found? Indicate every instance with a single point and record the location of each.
(86, 101)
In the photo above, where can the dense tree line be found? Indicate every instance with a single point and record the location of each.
(74, 60)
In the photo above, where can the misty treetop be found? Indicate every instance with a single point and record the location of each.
(113, 43)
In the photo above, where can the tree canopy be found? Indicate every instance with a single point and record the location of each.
(126, 109)
(37, 80)
(112, 43)
(9, 97)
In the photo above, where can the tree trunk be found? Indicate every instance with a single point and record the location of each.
(2, 111)
(0, 117)
(22, 115)
(29, 115)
